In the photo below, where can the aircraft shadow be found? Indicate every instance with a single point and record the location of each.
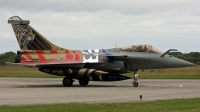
(73, 86)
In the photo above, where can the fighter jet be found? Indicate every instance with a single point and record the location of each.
(87, 65)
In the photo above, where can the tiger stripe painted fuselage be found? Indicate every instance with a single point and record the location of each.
(86, 65)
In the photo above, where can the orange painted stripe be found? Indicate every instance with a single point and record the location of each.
(22, 59)
(77, 57)
(40, 55)
(53, 51)
(27, 54)
(69, 56)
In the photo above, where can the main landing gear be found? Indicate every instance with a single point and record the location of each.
(84, 81)
(68, 81)
(135, 78)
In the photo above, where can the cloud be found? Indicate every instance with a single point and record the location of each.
(126, 6)
(101, 24)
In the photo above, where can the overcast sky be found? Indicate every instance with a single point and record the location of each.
(96, 24)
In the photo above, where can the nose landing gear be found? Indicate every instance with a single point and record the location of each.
(135, 78)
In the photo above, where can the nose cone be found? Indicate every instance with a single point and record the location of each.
(175, 63)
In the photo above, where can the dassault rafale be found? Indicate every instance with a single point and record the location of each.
(87, 65)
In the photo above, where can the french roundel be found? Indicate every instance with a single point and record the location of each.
(101, 58)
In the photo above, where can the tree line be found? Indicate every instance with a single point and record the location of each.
(193, 57)
(7, 57)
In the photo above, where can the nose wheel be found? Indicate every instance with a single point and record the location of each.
(135, 78)
(135, 84)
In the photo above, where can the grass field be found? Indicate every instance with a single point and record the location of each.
(177, 105)
(21, 71)
(175, 73)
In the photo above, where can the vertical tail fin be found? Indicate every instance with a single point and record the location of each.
(28, 38)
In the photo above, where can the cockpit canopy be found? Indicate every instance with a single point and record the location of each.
(140, 48)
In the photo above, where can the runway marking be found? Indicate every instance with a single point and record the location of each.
(24, 87)
(180, 85)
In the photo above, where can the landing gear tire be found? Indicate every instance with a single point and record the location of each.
(83, 81)
(67, 81)
(135, 84)
(135, 78)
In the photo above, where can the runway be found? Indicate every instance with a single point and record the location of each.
(17, 91)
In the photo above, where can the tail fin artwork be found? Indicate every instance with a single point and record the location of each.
(28, 38)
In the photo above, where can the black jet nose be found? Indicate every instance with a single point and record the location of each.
(175, 63)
